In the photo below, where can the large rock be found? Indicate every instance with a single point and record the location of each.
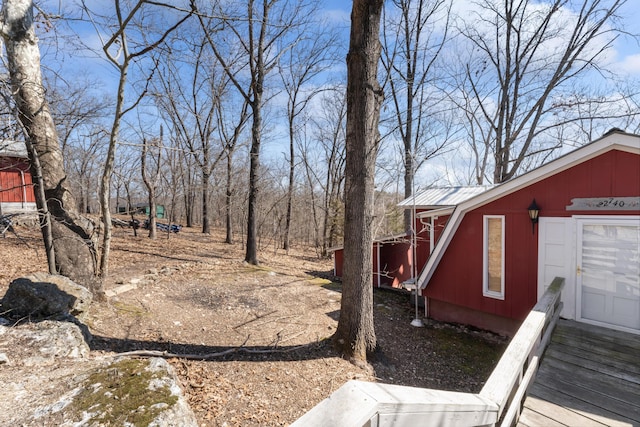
(48, 378)
(42, 343)
(43, 295)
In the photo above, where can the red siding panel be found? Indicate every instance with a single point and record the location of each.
(395, 262)
(13, 171)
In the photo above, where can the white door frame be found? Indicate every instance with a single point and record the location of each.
(559, 254)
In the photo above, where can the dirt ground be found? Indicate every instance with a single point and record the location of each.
(265, 328)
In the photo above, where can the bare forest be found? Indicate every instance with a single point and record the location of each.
(255, 137)
(234, 115)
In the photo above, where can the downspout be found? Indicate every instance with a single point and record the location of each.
(431, 227)
(335, 264)
(24, 188)
(432, 234)
(378, 257)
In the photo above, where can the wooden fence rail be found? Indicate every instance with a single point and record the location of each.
(360, 403)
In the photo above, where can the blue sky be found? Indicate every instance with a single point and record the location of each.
(625, 56)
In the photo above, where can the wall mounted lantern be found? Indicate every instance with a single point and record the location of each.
(534, 210)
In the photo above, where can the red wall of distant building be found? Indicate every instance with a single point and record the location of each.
(396, 254)
(395, 263)
(457, 280)
(12, 172)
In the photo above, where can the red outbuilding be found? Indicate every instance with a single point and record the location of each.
(483, 261)
(493, 261)
(393, 255)
(16, 186)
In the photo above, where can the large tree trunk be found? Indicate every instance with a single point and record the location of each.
(228, 200)
(355, 335)
(251, 256)
(206, 224)
(292, 166)
(73, 246)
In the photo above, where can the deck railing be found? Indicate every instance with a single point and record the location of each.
(517, 367)
(360, 403)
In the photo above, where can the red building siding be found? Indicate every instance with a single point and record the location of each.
(396, 254)
(457, 280)
(395, 262)
(15, 180)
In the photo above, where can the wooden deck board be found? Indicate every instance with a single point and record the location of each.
(589, 376)
(602, 364)
(549, 413)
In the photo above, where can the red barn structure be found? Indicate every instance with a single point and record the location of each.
(393, 255)
(16, 186)
(492, 262)
(482, 261)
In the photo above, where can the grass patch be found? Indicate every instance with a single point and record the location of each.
(250, 268)
(131, 309)
(474, 354)
(120, 394)
(331, 286)
(319, 281)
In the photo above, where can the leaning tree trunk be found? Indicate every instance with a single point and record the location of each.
(73, 245)
(355, 335)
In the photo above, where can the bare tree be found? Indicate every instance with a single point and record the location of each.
(190, 86)
(527, 60)
(310, 57)
(83, 163)
(414, 34)
(151, 182)
(355, 335)
(231, 124)
(118, 52)
(67, 236)
(324, 160)
(262, 33)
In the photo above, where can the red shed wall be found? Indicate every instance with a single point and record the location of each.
(395, 262)
(338, 263)
(458, 277)
(12, 172)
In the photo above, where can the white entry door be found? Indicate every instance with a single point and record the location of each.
(557, 258)
(608, 274)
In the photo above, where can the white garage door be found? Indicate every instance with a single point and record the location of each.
(608, 281)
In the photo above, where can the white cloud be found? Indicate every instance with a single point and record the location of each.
(630, 64)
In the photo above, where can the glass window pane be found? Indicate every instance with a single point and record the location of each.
(494, 248)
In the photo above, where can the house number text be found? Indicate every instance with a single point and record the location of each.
(605, 203)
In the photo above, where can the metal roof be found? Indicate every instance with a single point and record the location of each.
(444, 196)
(13, 148)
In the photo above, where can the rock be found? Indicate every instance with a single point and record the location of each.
(50, 380)
(43, 342)
(43, 295)
(125, 392)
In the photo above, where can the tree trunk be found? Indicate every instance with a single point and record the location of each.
(206, 225)
(292, 166)
(151, 187)
(252, 232)
(355, 335)
(73, 245)
(228, 200)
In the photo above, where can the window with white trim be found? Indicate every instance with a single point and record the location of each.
(493, 257)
